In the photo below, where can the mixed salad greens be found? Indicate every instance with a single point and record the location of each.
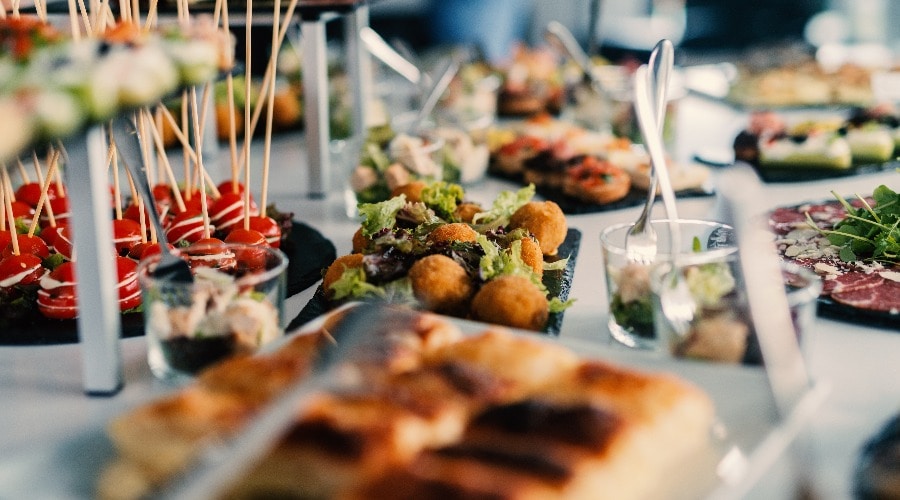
(870, 232)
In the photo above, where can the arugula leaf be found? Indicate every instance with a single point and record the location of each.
(379, 216)
(505, 204)
(868, 233)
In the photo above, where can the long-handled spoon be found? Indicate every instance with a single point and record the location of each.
(560, 36)
(640, 241)
(434, 94)
(170, 267)
(378, 47)
(678, 305)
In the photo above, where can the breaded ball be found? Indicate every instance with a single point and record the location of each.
(336, 270)
(441, 284)
(359, 241)
(545, 220)
(412, 190)
(531, 254)
(465, 212)
(448, 233)
(511, 301)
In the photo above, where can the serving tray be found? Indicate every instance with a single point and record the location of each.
(307, 250)
(558, 284)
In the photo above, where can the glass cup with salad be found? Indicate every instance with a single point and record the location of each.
(631, 317)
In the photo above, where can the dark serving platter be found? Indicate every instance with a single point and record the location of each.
(806, 174)
(558, 283)
(307, 250)
(827, 307)
(634, 198)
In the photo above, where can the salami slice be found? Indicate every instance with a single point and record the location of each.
(856, 280)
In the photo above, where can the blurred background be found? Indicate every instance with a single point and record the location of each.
(703, 30)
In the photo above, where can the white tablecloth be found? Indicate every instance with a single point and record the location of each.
(45, 417)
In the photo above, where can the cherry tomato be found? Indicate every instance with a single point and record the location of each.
(129, 288)
(57, 297)
(126, 234)
(253, 255)
(229, 187)
(63, 242)
(5, 238)
(22, 269)
(268, 227)
(186, 226)
(211, 252)
(28, 244)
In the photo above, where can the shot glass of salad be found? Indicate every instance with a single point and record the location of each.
(631, 314)
(234, 305)
(722, 330)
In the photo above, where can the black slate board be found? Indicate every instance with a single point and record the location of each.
(307, 250)
(806, 174)
(634, 198)
(558, 284)
(876, 475)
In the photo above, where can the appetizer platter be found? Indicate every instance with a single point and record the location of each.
(800, 84)
(866, 141)
(580, 170)
(429, 247)
(852, 245)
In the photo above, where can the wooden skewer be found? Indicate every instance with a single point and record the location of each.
(7, 186)
(3, 16)
(198, 139)
(189, 152)
(52, 173)
(15, 6)
(45, 187)
(22, 172)
(140, 204)
(3, 204)
(151, 15)
(142, 118)
(38, 172)
(41, 10)
(269, 75)
(74, 27)
(136, 12)
(247, 134)
(176, 193)
(85, 18)
(186, 157)
(270, 107)
(117, 190)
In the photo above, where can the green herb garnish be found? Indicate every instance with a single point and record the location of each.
(379, 216)
(868, 233)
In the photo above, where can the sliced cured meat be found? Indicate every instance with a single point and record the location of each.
(883, 298)
(856, 280)
(784, 219)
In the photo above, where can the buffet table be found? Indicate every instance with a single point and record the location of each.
(52, 437)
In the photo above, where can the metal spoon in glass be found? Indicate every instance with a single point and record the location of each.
(640, 241)
(170, 266)
(560, 36)
(677, 304)
(378, 47)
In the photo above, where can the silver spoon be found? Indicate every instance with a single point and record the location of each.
(378, 47)
(678, 305)
(434, 94)
(640, 241)
(170, 267)
(560, 36)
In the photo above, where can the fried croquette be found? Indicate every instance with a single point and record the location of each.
(449, 233)
(465, 212)
(337, 268)
(359, 242)
(545, 220)
(511, 301)
(441, 284)
(412, 190)
(532, 256)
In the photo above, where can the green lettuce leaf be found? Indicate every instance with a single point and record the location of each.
(505, 204)
(378, 216)
(353, 285)
(443, 197)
